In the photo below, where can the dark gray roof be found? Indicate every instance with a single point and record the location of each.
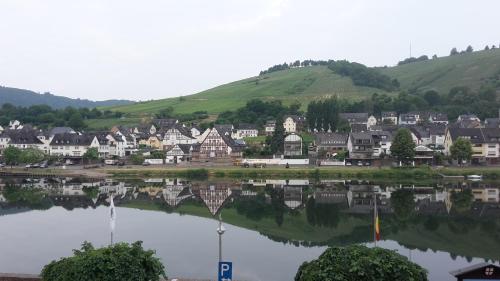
(438, 117)
(22, 136)
(246, 126)
(331, 138)
(492, 122)
(72, 139)
(355, 117)
(224, 129)
(472, 268)
(61, 130)
(381, 135)
(408, 117)
(162, 123)
(476, 135)
(362, 136)
(358, 128)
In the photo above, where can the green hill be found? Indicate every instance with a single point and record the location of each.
(312, 82)
(442, 74)
(20, 97)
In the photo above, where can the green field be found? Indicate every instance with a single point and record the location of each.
(315, 82)
(101, 124)
(442, 74)
(299, 84)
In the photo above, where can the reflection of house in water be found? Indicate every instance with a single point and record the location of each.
(292, 196)
(214, 196)
(333, 195)
(363, 196)
(175, 194)
(486, 194)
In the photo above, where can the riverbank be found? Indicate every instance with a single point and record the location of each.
(420, 173)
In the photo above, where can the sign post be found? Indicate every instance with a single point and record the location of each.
(225, 271)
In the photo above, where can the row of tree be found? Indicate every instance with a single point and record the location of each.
(43, 116)
(323, 115)
(459, 100)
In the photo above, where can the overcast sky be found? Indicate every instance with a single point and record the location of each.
(154, 49)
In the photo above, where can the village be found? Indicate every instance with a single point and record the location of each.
(169, 142)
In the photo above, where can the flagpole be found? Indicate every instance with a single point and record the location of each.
(375, 218)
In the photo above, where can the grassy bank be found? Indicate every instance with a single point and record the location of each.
(310, 172)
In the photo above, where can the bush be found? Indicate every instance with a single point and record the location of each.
(119, 262)
(360, 263)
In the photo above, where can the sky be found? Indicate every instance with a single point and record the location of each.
(142, 50)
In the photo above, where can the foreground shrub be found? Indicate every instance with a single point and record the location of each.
(356, 263)
(120, 262)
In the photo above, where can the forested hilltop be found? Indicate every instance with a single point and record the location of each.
(20, 97)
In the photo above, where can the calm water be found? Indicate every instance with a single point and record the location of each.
(272, 226)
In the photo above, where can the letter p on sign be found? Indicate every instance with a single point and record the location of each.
(225, 271)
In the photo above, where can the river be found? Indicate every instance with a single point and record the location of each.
(272, 225)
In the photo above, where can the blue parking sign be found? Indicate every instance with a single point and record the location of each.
(225, 271)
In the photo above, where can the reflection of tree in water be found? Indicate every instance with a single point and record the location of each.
(91, 192)
(34, 199)
(254, 208)
(462, 201)
(277, 202)
(320, 214)
(431, 223)
(403, 204)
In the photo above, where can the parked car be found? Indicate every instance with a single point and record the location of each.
(28, 166)
(2, 165)
(146, 163)
(44, 165)
(360, 163)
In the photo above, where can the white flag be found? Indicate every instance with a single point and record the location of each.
(112, 213)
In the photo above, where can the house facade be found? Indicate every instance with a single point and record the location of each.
(292, 145)
(270, 127)
(72, 145)
(360, 146)
(485, 143)
(217, 145)
(330, 143)
(293, 123)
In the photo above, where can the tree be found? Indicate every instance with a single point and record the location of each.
(11, 155)
(462, 201)
(277, 142)
(121, 261)
(91, 154)
(31, 155)
(486, 48)
(432, 98)
(403, 203)
(76, 121)
(137, 159)
(403, 147)
(461, 150)
(434, 57)
(453, 52)
(469, 49)
(359, 262)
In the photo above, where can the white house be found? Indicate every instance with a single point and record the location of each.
(177, 134)
(293, 123)
(245, 131)
(389, 117)
(21, 139)
(15, 125)
(270, 127)
(72, 145)
(178, 153)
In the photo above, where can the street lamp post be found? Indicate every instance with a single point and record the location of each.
(220, 231)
